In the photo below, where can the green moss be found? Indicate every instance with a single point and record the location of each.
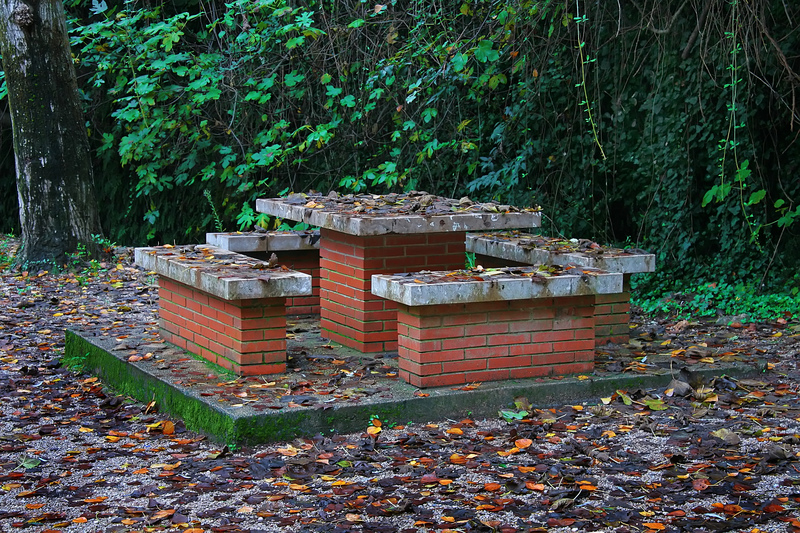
(131, 381)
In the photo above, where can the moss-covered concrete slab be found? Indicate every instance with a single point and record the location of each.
(225, 407)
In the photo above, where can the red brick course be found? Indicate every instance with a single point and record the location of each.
(307, 262)
(612, 311)
(612, 315)
(245, 336)
(350, 314)
(495, 341)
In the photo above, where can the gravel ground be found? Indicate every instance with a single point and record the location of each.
(76, 458)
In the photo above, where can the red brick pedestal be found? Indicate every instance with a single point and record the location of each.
(245, 336)
(307, 262)
(350, 314)
(441, 345)
(612, 315)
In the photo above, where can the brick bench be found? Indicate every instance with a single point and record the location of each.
(612, 311)
(223, 306)
(456, 327)
(299, 250)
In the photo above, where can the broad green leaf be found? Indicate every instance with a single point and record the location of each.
(484, 52)
(756, 197)
(656, 404)
(293, 78)
(459, 61)
(294, 42)
(625, 398)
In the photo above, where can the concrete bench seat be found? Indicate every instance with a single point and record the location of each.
(299, 250)
(457, 327)
(223, 306)
(612, 312)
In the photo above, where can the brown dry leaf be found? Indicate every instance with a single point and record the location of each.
(163, 513)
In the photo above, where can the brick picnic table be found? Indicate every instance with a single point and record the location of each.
(362, 235)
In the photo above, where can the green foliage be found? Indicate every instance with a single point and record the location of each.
(7, 251)
(620, 123)
(722, 298)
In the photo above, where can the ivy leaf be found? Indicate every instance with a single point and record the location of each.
(459, 61)
(656, 404)
(509, 416)
(429, 114)
(756, 197)
(294, 42)
(349, 101)
(484, 52)
(98, 7)
(356, 23)
(293, 78)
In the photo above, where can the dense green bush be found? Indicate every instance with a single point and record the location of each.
(663, 125)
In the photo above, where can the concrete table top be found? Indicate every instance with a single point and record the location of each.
(413, 212)
(224, 274)
(534, 249)
(491, 285)
(273, 241)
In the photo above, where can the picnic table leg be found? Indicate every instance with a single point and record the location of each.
(349, 313)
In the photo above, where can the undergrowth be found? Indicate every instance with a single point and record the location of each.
(706, 299)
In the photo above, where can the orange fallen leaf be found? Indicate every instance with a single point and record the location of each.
(492, 487)
(523, 443)
(658, 526)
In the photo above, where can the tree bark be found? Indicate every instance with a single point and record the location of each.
(55, 185)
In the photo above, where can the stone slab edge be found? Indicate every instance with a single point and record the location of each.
(273, 241)
(360, 225)
(243, 426)
(403, 289)
(217, 278)
(511, 250)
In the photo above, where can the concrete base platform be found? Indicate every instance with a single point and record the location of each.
(328, 388)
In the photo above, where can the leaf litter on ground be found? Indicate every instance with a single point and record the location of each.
(716, 455)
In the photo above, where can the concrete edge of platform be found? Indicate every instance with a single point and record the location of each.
(245, 426)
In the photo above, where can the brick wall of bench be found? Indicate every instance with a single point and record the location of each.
(245, 336)
(441, 345)
(612, 311)
(307, 262)
(350, 303)
(612, 315)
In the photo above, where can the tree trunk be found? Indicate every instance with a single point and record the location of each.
(58, 210)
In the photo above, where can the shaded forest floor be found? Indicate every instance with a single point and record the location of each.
(719, 455)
